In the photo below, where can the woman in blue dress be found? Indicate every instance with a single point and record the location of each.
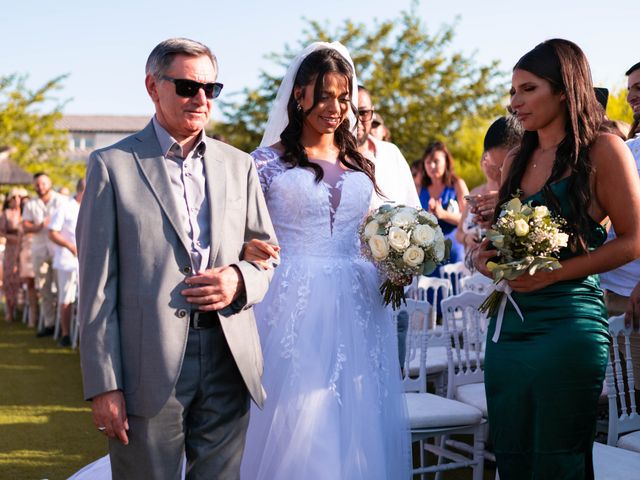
(443, 195)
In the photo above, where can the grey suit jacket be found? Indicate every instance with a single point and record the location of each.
(133, 255)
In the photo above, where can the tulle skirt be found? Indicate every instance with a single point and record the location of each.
(334, 407)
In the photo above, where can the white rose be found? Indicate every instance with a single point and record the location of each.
(403, 218)
(379, 247)
(423, 235)
(414, 256)
(540, 211)
(430, 217)
(521, 227)
(398, 239)
(438, 249)
(562, 239)
(371, 229)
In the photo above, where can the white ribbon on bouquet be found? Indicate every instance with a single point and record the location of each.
(506, 290)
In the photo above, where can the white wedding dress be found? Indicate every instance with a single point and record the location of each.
(334, 407)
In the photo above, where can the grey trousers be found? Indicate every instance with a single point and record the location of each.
(206, 417)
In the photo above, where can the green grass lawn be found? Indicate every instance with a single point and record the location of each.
(46, 430)
(45, 425)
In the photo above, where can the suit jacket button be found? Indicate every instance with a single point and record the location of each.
(182, 313)
(186, 270)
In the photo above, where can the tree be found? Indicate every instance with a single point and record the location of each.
(423, 91)
(30, 130)
(617, 106)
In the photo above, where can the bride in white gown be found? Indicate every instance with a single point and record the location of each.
(334, 407)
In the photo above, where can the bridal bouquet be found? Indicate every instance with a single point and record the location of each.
(528, 239)
(402, 242)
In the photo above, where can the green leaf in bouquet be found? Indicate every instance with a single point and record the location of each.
(447, 249)
(428, 267)
(513, 205)
(384, 208)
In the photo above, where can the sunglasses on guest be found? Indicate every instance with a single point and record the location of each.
(365, 114)
(190, 88)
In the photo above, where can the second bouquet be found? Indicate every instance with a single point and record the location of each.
(528, 238)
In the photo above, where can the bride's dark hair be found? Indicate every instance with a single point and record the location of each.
(314, 67)
(563, 64)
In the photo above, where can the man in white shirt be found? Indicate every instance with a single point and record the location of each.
(36, 217)
(394, 180)
(62, 232)
(393, 175)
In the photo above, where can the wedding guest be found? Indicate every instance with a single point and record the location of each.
(503, 135)
(11, 230)
(391, 169)
(62, 232)
(633, 97)
(26, 271)
(37, 214)
(544, 373)
(417, 174)
(443, 194)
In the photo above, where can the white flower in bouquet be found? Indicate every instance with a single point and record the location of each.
(402, 242)
(413, 256)
(521, 227)
(379, 246)
(403, 218)
(371, 229)
(398, 239)
(423, 235)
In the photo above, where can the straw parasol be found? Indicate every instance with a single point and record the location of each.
(10, 172)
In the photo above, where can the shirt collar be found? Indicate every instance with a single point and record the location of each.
(169, 145)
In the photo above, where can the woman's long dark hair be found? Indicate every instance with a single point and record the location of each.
(449, 178)
(563, 64)
(315, 66)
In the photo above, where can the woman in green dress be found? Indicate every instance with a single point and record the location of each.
(544, 374)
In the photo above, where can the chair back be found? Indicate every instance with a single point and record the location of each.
(454, 272)
(477, 283)
(419, 338)
(620, 383)
(431, 290)
(467, 328)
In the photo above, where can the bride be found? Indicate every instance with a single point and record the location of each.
(334, 408)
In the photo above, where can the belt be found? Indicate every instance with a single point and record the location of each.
(203, 320)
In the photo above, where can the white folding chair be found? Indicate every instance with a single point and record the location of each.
(467, 327)
(432, 416)
(477, 283)
(431, 289)
(624, 422)
(454, 272)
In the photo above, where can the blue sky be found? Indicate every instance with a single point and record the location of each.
(103, 45)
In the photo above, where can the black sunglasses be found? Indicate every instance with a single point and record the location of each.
(365, 114)
(190, 88)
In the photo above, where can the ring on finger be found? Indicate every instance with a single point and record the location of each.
(102, 429)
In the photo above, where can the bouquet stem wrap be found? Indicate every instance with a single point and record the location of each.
(498, 298)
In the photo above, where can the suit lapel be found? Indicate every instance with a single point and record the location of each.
(215, 173)
(152, 164)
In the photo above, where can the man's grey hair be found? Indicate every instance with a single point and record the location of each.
(162, 55)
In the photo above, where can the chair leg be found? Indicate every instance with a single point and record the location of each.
(478, 453)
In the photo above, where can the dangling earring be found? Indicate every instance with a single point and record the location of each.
(299, 107)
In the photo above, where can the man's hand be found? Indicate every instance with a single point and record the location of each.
(632, 315)
(109, 413)
(214, 289)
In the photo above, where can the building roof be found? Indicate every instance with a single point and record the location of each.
(10, 172)
(104, 123)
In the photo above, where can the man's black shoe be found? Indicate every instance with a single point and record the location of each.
(65, 341)
(45, 332)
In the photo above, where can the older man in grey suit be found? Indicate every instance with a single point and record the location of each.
(169, 348)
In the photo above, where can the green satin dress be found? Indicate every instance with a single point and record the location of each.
(544, 375)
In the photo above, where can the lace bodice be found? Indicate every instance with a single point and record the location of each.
(301, 209)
